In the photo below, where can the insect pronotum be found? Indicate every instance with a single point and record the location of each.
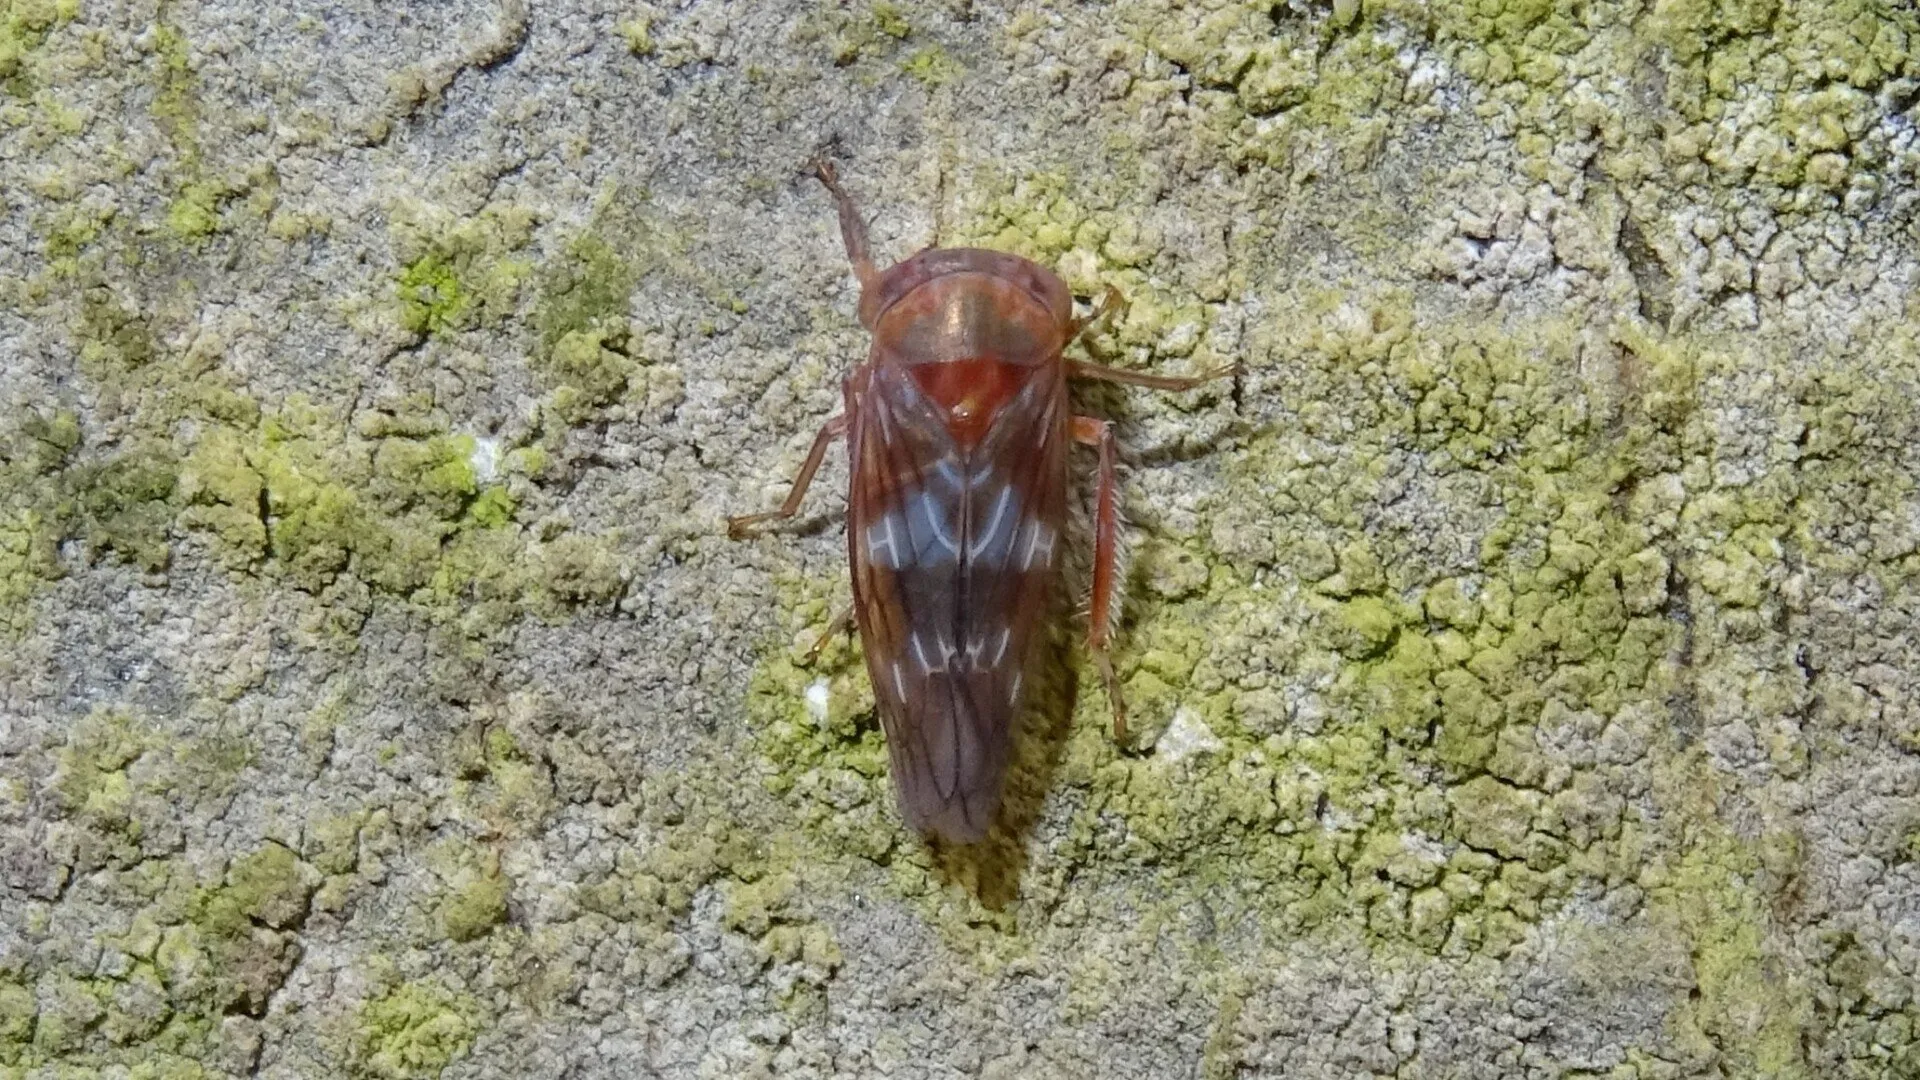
(957, 425)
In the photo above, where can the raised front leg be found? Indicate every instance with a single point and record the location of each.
(853, 227)
(1103, 612)
(737, 527)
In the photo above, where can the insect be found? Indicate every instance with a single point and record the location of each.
(957, 427)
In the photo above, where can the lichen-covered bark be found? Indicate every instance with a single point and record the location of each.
(1523, 642)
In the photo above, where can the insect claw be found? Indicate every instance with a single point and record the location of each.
(1111, 302)
(842, 621)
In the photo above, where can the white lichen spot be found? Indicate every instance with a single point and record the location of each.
(817, 699)
(1186, 736)
(485, 459)
(1181, 340)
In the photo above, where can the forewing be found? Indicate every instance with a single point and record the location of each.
(953, 552)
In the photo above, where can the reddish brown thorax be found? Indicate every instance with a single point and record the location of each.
(972, 392)
(972, 326)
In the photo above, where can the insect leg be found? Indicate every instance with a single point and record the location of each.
(1077, 369)
(853, 228)
(1109, 302)
(737, 526)
(842, 622)
(1102, 611)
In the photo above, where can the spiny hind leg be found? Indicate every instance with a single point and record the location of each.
(1103, 605)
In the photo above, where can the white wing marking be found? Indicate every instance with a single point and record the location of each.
(1039, 538)
(874, 544)
(987, 538)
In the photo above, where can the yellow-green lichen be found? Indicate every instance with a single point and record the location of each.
(24, 26)
(398, 504)
(201, 194)
(33, 509)
(932, 67)
(124, 507)
(91, 782)
(412, 1032)
(588, 287)
(474, 900)
(637, 32)
(270, 886)
(17, 1011)
(890, 20)
(195, 212)
(459, 273)
(592, 368)
(1745, 1014)
(197, 949)
(850, 36)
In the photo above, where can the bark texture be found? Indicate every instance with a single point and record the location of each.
(1524, 642)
